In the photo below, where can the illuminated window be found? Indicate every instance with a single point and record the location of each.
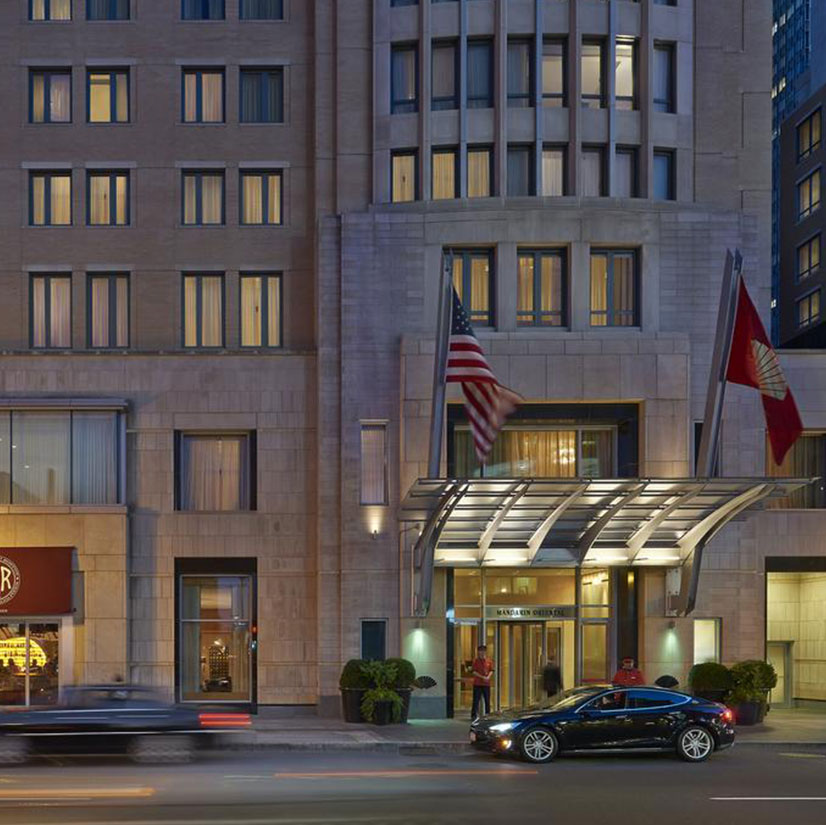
(707, 638)
(108, 95)
(50, 96)
(614, 300)
(808, 195)
(404, 174)
(51, 311)
(479, 172)
(593, 82)
(373, 463)
(553, 73)
(108, 311)
(203, 96)
(203, 198)
(808, 258)
(260, 310)
(50, 198)
(473, 282)
(261, 198)
(540, 290)
(553, 171)
(50, 9)
(203, 311)
(214, 472)
(445, 174)
(626, 75)
(808, 135)
(808, 309)
(107, 199)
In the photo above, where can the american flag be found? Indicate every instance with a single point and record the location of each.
(487, 402)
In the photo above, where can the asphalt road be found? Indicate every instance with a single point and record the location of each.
(747, 785)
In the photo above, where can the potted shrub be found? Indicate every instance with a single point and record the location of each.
(765, 679)
(748, 693)
(710, 680)
(353, 683)
(404, 683)
(381, 704)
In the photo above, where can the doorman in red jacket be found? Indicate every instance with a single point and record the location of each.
(628, 675)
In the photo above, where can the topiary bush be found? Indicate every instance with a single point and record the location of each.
(353, 676)
(405, 673)
(709, 676)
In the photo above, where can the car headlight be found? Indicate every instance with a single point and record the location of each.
(504, 726)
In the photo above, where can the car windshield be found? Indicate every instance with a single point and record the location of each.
(568, 698)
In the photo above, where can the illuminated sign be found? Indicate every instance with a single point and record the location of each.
(530, 613)
(13, 652)
(9, 579)
(35, 581)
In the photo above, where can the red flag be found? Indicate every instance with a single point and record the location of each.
(753, 363)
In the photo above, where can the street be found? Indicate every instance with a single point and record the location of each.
(749, 784)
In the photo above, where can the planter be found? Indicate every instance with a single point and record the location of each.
(405, 694)
(762, 710)
(351, 704)
(383, 713)
(711, 695)
(747, 713)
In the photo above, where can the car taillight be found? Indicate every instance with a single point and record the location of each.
(727, 715)
(224, 720)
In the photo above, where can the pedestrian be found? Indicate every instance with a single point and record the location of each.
(628, 675)
(551, 678)
(482, 671)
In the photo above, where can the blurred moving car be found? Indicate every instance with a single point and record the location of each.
(115, 718)
(604, 717)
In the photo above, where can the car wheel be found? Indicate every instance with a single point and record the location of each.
(161, 748)
(14, 750)
(539, 745)
(695, 744)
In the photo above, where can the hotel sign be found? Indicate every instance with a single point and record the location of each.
(504, 613)
(35, 581)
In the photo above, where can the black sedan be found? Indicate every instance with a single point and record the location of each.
(114, 718)
(609, 718)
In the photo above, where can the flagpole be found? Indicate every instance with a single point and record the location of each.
(437, 410)
(712, 420)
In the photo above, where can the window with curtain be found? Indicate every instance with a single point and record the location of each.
(808, 195)
(108, 95)
(614, 299)
(540, 288)
(520, 171)
(214, 472)
(553, 171)
(553, 73)
(593, 83)
(808, 135)
(445, 91)
(473, 282)
(707, 640)
(261, 197)
(107, 9)
(403, 176)
(663, 175)
(593, 172)
(108, 311)
(50, 9)
(479, 74)
(520, 74)
(50, 96)
(260, 310)
(625, 77)
(479, 172)
(108, 198)
(51, 311)
(203, 311)
(808, 309)
(94, 459)
(625, 173)
(202, 9)
(262, 95)
(404, 77)
(50, 198)
(262, 10)
(805, 459)
(203, 95)
(808, 258)
(445, 174)
(664, 77)
(41, 457)
(373, 463)
(203, 198)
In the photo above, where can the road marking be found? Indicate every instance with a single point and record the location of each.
(768, 798)
(804, 755)
(404, 774)
(30, 794)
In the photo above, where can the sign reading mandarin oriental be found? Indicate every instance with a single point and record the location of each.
(527, 613)
(35, 581)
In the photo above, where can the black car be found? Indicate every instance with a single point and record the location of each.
(115, 718)
(609, 718)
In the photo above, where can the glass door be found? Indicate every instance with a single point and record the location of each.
(594, 652)
(29, 663)
(521, 659)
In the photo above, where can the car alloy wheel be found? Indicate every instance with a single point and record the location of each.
(695, 744)
(539, 745)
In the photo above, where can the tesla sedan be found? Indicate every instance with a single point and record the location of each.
(612, 719)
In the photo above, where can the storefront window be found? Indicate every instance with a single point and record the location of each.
(29, 659)
(594, 652)
(706, 640)
(595, 594)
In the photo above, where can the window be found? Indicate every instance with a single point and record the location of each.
(260, 310)
(479, 74)
(373, 463)
(593, 88)
(50, 9)
(553, 73)
(625, 173)
(50, 311)
(479, 172)
(50, 198)
(808, 135)
(520, 171)
(261, 198)
(663, 175)
(214, 472)
(445, 177)
(202, 9)
(50, 96)
(664, 77)
(808, 258)
(613, 288)
(108, 311)
(626, 74)
(553, 171)
(445, 75)
(665, 2)
(473, 282)
(107, 199)
(540, 293)
(404, 79)
(808, 309)
(404, 176)
(374, 639)
(593, 172)
(107, 96)
(203, 198)
(107, 9)
(520, 74)
(203, 95)
(60, 457)
(806, 458)
(808, 195)
(262, 96)
(203, 311)
(707, 641)
(262, 10)
(399, 3)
